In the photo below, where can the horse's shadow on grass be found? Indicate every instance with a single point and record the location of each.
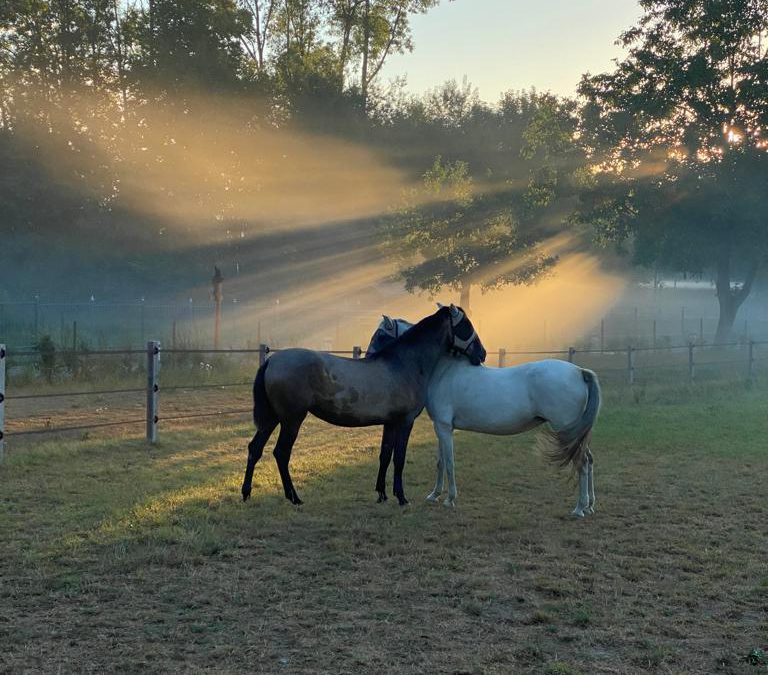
(182, 497)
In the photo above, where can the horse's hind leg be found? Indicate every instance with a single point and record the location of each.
(590, 482)
(385, 457)
(401, 446)
(255, 450)
(582, 505)
(282, 452)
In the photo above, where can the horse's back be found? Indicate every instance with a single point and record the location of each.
(507, 400)
(346, 392)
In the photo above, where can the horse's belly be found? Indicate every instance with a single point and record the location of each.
(362, 411)
(485, 401)
(345, 418)
(489, 423)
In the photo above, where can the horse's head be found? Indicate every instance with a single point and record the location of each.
(464, 337)
(388, 331)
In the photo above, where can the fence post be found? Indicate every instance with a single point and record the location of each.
(630, 365)
(263, 351)
(602, 335)
(682, 322)
(356, 352)
(502, 356)
(691, 365)
(750, 360)
(37, 318)
(654, 333)
(2, 402)
(571, 353)
(153, 388)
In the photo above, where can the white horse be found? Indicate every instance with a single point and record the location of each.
(506, 401)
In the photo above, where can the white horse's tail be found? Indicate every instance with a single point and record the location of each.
(568, 446)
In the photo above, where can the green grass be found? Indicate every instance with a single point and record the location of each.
(118, 557)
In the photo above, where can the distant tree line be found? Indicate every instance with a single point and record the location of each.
(663, 159)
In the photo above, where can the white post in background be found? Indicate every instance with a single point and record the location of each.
(571, 354)
(153, 388)
(691, 364)
(357, 352)
(750, 363)
(630, 365)
(2, 401)
(263, 351)
(502, 357)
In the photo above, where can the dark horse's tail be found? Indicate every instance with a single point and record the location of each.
(263, 413)
(568, 446)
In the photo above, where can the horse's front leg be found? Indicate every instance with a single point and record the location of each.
(444, 433)
(401, 445)
(385, 457)
(435, 494)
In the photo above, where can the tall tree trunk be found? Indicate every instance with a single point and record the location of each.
(466, 287)
(729, 299)
(366, 47)
(120, 58)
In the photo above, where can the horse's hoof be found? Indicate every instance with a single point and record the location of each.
(402, 500)
(296, 501)
(577, 513)
(432, 497)
(589, 511)
(246, 494)
(382, 498)
(449, 503)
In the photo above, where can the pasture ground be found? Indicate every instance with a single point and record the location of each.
(118, 557)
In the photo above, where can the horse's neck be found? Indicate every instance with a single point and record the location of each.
(424, 354)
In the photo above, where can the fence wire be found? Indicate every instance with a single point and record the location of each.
(629, 368)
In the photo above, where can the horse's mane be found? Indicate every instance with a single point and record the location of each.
(413, 334)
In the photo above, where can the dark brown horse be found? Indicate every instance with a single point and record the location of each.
(389, 388)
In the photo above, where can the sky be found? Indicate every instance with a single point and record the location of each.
(513, 44)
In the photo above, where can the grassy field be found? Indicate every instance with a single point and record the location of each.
(118, 557)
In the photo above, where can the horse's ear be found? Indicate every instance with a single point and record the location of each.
(454, 310)
(440, 305)
(387, 321)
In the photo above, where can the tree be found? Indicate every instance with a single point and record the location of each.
(369, 31)
(178, 45)
(489, 230)
(458, 238)
(678, 144)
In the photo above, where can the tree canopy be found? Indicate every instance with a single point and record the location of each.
(459, 229)
(677, 139)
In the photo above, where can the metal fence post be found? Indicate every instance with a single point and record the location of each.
(37, 318)
(502, 356)
(750, 360)
(571, 353)
(356, 352)
(602, 335)
(2, 401)
(263, 351)
(153, 388)
(682, 322)
(691, 365)
(630, 365)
